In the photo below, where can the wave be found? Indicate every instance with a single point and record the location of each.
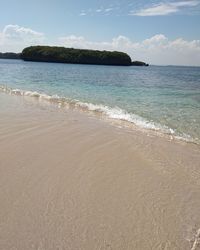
(112, 113)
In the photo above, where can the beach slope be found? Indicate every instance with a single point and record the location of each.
(72, 181)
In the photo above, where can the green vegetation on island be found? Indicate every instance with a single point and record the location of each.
(70, 55)
(10, 55)
(77, 56)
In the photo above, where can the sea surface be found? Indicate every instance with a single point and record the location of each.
(160, 98)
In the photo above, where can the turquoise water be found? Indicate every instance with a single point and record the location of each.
(166, 99)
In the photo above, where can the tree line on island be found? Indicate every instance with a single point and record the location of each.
(75, 56)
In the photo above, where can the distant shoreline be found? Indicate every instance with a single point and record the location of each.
(10, 55)
(152, 65)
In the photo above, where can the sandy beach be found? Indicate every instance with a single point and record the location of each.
(70, 180)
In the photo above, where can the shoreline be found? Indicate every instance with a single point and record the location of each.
(70, 180)
(114, 115)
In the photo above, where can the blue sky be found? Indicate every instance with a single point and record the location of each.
(127, 25)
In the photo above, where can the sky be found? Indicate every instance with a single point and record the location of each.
(161, 32)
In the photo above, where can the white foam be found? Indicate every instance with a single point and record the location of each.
(32, 94)
(196, 242)
(16, 91)
(120, 114)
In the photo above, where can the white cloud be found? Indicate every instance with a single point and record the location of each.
(83, 13)
(157, 39)
(98, 10)
(163, 9)
(155, 50)
(15, 38)
(108, 9)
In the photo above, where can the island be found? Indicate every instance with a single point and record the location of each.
(75, 56)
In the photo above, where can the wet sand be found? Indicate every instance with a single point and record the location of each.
(70, 180)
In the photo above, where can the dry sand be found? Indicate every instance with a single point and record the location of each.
(69, 180)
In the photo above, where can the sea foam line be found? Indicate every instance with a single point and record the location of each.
(196, 242)
(113, 113)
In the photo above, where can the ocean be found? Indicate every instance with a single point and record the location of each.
(160, 98)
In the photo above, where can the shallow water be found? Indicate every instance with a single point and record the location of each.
(165, 99)
(72, 181)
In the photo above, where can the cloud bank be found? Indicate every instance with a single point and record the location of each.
(15, 38)
(157, 49)
(163, 8)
